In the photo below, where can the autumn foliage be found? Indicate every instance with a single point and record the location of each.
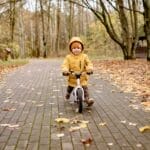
(131, 76)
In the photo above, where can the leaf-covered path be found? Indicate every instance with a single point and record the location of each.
(32, 98)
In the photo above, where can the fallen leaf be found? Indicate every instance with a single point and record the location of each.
(62, 120)
(4, 125)
(134, 106)
(84, 121)
(60, 135)
(145, 128)
(6, 101)
(5, 109)
(75, 121)
(83, 125)
(72, 129)
(102, 124)
(132, 124)
(8, 109)
(110, 144)
(14, 126)
(39, 105)
(62, 128)
(123, 121)
(87, 142)
(147, 104)
(133, 101)
(139, 145)
(147, 109)
(9, 125)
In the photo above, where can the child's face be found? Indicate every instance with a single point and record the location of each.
(76, 48)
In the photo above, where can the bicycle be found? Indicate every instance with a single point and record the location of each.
(78, 91)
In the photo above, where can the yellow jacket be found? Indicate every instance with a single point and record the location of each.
(77, 63)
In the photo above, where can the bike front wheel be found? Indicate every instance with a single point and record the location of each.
(80, 100)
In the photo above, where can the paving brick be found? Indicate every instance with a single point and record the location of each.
(9, 148)
(22, 144)
(67, 146)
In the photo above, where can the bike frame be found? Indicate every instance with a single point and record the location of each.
(76, 88)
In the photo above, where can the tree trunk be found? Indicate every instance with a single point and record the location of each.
(146, 4)
(43, 30)
(12, 23)
(36, 52)
(127, 38)
(21, 27)
(71, 16)
(58, 28)
(48, 35)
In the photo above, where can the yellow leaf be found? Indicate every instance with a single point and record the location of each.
(83, 125)
(145, 128)
(85, 122)
(147, 104)
(102, 124)
(62, 120)
(60, 135)
(72, 129)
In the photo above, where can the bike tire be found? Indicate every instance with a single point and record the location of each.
(80, 100)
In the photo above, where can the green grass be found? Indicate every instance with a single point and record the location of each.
(100, 55)
(13, 62)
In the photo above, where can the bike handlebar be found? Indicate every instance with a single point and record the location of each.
(77, 73)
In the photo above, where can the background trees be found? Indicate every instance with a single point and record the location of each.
(146, 4)
(41, 28)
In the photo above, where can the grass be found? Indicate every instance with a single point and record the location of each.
(13, 62)
(98, 55)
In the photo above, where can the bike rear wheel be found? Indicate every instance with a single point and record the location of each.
(80, 100)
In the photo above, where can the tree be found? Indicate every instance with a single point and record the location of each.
(43, 30)
(125, 35)
(36, 52)
(21, 31)
(71, 16)
(58, 26)
(146, 4)
(12, 22)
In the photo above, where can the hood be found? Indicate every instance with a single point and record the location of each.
(75, 39)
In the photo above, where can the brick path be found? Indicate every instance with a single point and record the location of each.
(32, 97)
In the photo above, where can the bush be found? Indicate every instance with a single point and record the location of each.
(15, 50)
(3, 52)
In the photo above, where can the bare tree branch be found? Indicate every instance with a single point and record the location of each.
(9, 1)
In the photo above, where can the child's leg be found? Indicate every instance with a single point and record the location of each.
(86, 92)
(86, 96)
(69, 90)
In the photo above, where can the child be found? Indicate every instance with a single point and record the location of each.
(77, 61)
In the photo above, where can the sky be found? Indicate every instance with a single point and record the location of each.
(30, 5)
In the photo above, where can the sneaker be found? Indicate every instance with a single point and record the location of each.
(89, 102)
(67, 96)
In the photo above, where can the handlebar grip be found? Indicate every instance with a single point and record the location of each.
(65, 74)
(89, 73)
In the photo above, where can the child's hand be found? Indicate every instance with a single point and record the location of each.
(89, 71)
(65, 73)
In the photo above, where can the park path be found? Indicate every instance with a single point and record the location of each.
(32, 97)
